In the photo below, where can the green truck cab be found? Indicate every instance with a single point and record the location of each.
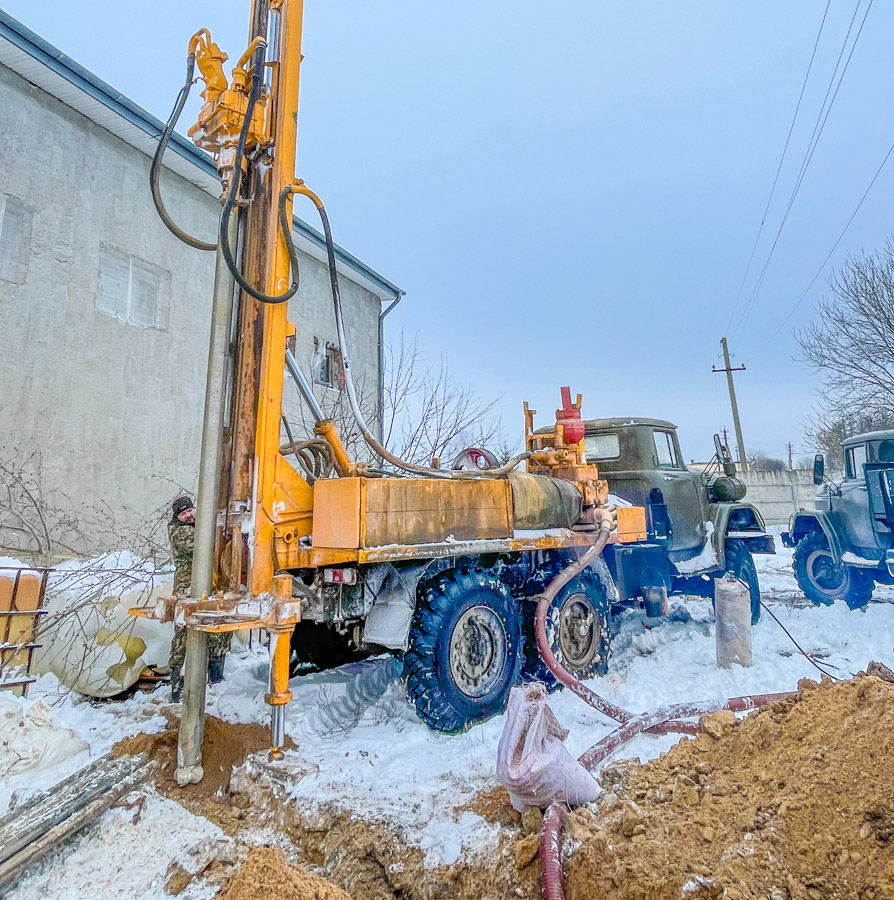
(843, 547)
(699, 527)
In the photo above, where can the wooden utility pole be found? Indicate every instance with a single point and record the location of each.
(743, 462)
(790, 448)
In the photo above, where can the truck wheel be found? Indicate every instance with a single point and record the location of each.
(823, 580)
(464, 651)
(577, 628)
(740, 564)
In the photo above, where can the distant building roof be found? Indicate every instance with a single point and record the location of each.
(40, 63)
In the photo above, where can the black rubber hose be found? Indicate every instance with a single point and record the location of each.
(284, 223)
(155, 169)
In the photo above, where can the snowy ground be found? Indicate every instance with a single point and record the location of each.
(368, 754)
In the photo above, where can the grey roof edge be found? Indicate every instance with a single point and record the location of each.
(883, 435)
(621, 421)
(42, 51)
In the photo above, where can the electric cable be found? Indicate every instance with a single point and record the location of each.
(828, 257)
(158, 156)
(818, 129)
(457, 474)
(788, 138)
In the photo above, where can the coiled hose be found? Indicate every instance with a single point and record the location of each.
(299, 188)
(659, 721)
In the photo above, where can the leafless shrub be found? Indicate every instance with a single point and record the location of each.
(426, 411)
(763, 462)
(851, 346)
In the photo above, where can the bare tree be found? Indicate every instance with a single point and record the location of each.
(763, 462)
(851, 344)
(41, 524)
(426, 411)
(827, 429)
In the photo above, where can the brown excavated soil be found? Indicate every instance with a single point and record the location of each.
(266, 874)
(225, 748)
(793, 803)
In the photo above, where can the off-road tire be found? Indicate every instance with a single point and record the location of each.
(740, 564)
(823, 581)
(583, 658)
(465, 649)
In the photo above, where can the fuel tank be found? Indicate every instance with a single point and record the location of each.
(539, 501)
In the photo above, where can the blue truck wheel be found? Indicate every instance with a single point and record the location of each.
(464, 650)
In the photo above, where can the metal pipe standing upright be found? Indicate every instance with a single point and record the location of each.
(192, 715)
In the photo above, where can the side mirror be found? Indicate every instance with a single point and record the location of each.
(819, 468)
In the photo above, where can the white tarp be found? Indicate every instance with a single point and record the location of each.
(29, 740)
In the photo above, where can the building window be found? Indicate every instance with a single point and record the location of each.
(15, 239)
(326, 365)
(131, 290)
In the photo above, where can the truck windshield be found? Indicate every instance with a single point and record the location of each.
(601, 446)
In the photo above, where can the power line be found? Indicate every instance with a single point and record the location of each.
(818, 128)
(788, 138)
(828, 255)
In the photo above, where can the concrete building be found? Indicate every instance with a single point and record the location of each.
(104, 315)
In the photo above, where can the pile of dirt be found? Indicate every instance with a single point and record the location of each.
(225, 748)
(266, 874)
(793, 803)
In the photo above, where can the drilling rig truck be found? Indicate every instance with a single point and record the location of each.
(436, 564)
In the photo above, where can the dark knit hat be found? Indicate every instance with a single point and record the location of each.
(182, 503)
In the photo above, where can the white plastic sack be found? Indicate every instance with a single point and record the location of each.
(532, 762)
(29, 740)
(88, 640)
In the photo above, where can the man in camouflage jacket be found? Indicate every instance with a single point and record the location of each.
(181, 533)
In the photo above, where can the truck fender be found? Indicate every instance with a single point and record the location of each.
(803, 523)
(741, 521)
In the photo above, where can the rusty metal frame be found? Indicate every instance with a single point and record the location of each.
(7, 617)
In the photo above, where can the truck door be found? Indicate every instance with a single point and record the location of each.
(854, 518)
(682, 493)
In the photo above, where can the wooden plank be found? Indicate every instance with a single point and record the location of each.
(42, 813)
(14, 866)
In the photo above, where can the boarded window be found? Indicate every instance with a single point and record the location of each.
(131, 290)
(326, 365)
(15, 239)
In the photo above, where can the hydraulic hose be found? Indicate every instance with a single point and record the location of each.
(299, 188)
(155, 169)
(659, 721)
(284, 223)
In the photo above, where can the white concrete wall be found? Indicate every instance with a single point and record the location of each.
(113, 408)
(779, 494)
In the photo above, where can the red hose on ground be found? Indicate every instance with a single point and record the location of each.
(552, 883)
(659, 721)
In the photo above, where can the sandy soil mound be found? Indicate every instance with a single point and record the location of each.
(266, 874)
(225, 749)
(793, 803)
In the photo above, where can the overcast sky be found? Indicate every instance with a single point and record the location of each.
(569, 192)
